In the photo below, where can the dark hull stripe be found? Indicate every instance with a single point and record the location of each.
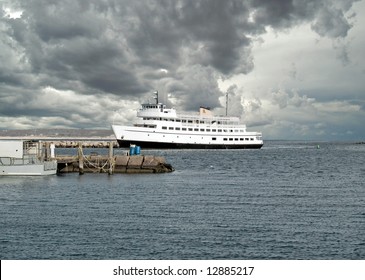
(159, 145)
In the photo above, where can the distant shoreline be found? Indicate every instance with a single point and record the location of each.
(58, 133)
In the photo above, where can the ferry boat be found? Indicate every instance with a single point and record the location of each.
(163, 128)
(24, 158)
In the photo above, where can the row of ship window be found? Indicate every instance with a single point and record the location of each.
(188, 121)
(235, 139)
(203, 129)
(230, 139)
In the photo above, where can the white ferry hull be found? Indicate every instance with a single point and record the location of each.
(166, 145)
(149, 138)
(50, 168)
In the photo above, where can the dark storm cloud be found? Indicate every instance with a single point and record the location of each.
(119, 47)
(220, 27)
(65, 21)
(69, 41)
(332, 23)
(197, 87)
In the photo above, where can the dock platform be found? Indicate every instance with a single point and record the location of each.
(114, 164)
(111, 163)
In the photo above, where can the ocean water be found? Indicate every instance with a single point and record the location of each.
(289, 200)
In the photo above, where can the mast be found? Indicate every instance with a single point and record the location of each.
(226, 103)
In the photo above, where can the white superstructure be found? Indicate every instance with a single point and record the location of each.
(161, 127)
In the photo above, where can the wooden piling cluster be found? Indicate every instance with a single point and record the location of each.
(111, 163)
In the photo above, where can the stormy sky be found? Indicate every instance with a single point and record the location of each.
(292, 69)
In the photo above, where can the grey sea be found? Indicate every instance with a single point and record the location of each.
(289, 200)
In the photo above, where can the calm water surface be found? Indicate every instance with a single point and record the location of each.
(288, 200)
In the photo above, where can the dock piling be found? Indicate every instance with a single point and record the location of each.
(81, 159)
(111, 158)
(47, 151)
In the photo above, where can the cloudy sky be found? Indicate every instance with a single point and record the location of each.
(292, 69)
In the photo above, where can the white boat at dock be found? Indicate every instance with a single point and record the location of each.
(26, 157)
(161, 127)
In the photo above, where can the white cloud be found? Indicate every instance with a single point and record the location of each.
(338, 107)
(308, 86)
(13, 14)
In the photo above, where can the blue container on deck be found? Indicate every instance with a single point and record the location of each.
(132, 150)
(137, 150)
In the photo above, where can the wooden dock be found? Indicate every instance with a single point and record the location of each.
(116, 164)
(111, 163)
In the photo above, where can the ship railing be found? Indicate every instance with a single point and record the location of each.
(208, 118)
(190, 118)
(194, 122)
(25, 160)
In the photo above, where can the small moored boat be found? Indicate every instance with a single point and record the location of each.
(23, 157)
